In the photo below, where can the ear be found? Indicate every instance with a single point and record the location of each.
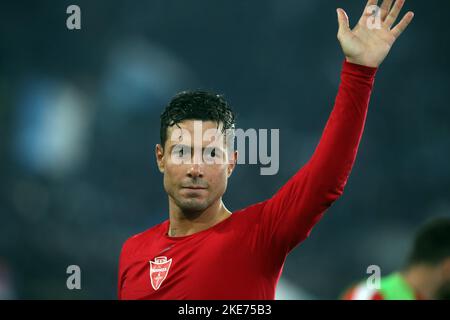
(159, 153)
(232, 163)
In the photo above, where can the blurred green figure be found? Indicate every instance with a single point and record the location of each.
(426, 275)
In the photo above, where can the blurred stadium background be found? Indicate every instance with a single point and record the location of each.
(79, 118)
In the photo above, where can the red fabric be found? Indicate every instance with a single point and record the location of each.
(242, 257)
(351, 294)
(377, 296)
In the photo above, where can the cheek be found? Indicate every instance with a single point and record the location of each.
(446, 275)
(219, 179)
(175, 170)
(171, 176)
(439, 277)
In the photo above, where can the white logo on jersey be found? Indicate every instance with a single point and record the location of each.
(159, 270)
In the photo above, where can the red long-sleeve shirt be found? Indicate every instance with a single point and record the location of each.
(242, 257)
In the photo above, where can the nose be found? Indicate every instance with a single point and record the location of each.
(196, 166)
(195, 171)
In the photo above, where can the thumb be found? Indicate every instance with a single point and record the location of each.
(344, 26)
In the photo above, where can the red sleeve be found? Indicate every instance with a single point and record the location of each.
(290, 214)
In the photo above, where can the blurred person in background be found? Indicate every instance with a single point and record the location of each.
(426, 275)
(203, 251)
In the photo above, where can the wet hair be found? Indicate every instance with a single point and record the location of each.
(432, 242)
(196, 105)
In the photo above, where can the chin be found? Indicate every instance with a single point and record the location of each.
(192, 205)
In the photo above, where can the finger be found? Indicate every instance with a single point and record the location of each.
(403, 24)
(385, 8)
(371, 6)
(394, 13)
(344, 24)
(371, 3)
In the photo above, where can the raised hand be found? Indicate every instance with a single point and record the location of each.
(372, 38)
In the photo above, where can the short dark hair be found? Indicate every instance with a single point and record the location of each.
(196, 105)
(432, 242)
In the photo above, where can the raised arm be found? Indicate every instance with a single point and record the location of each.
(289, 215)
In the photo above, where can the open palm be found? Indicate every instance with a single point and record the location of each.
(372, 38)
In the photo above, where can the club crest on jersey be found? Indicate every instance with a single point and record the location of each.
(159, 270)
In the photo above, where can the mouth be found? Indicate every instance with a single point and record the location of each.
(194, 188)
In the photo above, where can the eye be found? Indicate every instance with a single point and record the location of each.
(212, 155)
(180, 152)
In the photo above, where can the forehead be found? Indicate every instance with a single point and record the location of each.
(195, 132)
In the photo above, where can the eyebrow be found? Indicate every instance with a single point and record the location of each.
(186, 146)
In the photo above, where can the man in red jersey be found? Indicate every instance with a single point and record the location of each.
(203, 251)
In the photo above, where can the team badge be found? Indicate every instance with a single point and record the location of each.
(158, 271)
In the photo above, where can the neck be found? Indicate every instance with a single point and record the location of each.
(182, 224)
(418, 277)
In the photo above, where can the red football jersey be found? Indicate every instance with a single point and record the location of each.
(242, 257)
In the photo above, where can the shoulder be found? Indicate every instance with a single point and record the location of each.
(250, 210)
(136, 242)
(362, 292)
(249, 216)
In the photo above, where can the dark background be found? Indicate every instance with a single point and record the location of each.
(79, 119)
